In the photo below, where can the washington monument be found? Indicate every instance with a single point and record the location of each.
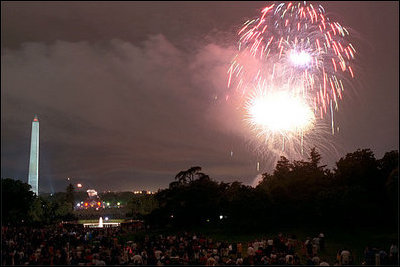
(33, 176)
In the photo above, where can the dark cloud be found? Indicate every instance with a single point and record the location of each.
(119, 111)
(126, 92)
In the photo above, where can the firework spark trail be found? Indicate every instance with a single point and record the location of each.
(293, 45)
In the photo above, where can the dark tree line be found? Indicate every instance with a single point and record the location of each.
(20, 206)
(360, 190)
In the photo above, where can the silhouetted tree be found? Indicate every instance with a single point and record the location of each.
(69, 197)
(184, 177)
(389, 163)
(16, 200)
(282, 168)
(360, 190)
(140, 205)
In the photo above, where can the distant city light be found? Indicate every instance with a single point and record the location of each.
(118, 203)
(78, 205)
(108, 203)
(106, 218)
(98, 203)
(221, 217)
(79, 185)
(86, 204)
(148, 192)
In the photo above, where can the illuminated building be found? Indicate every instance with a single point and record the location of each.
(92, 193)
(93, 200)
(33, 176)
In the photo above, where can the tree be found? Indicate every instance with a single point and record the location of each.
(36, 212)
(359, 167)
(392, 190)
(69, 197)
(315, 159)
(184, 177)
(266, 179)
(282, 168)
(16, 201)
(142, 205)
(63, 210)
(389, 163)
(358, 190)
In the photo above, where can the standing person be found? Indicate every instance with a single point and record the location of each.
(324, 263)
(250, 254)
(296, 259)
(315, 259)
(314, 247)
(250, 250)
(394, 254)
(289, 259)
(137, 259)
(369, 256)
(383, 257)
(377, 259)
(309, 246)
(322, 241)
(345, 257)
(239, 250)
(269, 248)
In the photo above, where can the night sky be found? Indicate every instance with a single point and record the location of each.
(126, 91)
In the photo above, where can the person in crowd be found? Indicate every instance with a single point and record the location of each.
(345, 257)
(323, 262)
(321, 237)
(394, 254)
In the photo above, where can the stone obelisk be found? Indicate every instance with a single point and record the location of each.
(33, 176)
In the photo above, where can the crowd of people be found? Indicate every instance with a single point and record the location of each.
(101, 246)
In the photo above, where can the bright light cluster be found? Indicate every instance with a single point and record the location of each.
(300, 58)
(280, 112)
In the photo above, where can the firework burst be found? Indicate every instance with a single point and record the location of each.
(291, 63)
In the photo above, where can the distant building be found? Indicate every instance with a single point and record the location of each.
(33, 176)
(92, 193)
(93, 200)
